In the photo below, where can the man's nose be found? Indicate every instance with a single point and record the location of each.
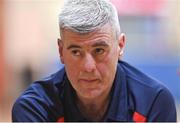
(89, 63)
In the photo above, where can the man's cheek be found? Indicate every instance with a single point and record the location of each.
(103, 69)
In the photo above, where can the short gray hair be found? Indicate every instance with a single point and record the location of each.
(83, 16)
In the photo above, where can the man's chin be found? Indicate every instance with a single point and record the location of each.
(91, 93)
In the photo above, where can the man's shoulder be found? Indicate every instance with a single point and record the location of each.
(41, 96)
(145, 92)
(138, 79)
(46, 86)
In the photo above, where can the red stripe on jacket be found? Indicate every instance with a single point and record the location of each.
(61, 119)
(137, 117)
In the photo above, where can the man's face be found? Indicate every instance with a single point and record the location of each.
(90, 60)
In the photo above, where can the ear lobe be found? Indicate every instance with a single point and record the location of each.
(60, 47)
(121, 52)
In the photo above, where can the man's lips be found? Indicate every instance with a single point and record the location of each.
(88, 80)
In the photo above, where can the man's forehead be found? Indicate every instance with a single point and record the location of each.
(106, 29)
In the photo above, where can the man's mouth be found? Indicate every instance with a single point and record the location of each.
(88, 80)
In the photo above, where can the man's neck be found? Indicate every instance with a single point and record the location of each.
(94, 109)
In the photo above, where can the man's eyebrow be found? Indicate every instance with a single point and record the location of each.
(73, 46)
(100, 43)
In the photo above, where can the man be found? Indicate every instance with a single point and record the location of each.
(94, 85)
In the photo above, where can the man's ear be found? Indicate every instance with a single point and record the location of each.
(60, 46)
(121, 44)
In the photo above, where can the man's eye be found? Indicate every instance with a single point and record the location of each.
(99, 51)
(76, 52)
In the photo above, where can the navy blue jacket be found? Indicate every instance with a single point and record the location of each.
(134, 97)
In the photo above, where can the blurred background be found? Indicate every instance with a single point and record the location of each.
(28, 43)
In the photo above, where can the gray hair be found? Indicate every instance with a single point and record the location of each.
(83, 16)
